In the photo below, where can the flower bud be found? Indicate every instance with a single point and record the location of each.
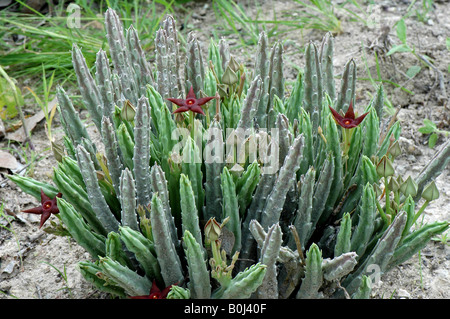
(430, 192)
(409, 187)
(233, 64)
(236, 170)
(393, 185)
(242, 68)
(229, 77)
(385, 168)
(212, 229)
(128, 111)
(395, 149)
(223, 90)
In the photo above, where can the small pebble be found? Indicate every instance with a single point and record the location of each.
(10, 267)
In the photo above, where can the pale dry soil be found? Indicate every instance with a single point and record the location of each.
(34, 264)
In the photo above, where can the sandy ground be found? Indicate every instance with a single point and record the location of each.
(35, 264)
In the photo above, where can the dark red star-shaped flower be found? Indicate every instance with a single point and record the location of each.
(348, 120)
(155, 293)
(48, 207)
(191, 103)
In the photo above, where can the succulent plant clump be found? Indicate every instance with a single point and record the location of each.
(221, 184)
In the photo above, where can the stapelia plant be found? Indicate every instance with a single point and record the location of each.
(267, 194)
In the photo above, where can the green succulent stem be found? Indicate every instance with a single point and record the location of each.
(220, 270)
(388, 199)
(192, 124)
(382, 213)
(217, 256)
(346, 140)
(417, 215)
(397, 199)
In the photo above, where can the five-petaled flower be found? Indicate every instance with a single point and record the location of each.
(155, 293)
(191, 103)
(348, 120)
(48, 206)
